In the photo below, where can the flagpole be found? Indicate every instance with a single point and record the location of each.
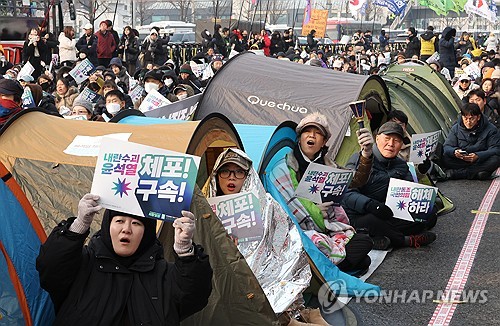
(230, 15)
(239, 16)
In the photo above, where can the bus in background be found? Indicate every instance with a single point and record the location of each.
(336, 28)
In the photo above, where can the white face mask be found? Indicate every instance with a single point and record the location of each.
(168, 82)
(182, 96)
(148, 87)
(112, 108)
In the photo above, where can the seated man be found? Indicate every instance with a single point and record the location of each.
(365, 204)
(472, 149)
(479, 97)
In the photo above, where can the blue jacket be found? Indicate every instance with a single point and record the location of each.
(356, 199)
(483, 140)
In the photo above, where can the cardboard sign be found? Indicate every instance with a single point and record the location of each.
(89, 95)
(82, 72)
(154, 100)
(321, 184)
(410, 201)
(143, 180)
(422, 145)
(89, 145)
(180, 110)
(317, 22)
(240, 215)
(27, 98)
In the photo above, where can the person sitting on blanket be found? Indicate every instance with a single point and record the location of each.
(286, 262)
(365, 204)
(325, 224)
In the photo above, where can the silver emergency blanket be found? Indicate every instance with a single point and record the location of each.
(278, 260)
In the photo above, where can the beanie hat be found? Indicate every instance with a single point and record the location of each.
(495, 74)
(86, 104)
(412, 30)
(186, 68)
(316, 62)
(317, 120)
(154, 74)
(116, 61)
(10, 87)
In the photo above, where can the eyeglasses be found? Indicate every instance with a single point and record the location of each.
(465, 81)
(238, 174)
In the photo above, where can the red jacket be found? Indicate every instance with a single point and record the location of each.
(267, 45)
(106, 45)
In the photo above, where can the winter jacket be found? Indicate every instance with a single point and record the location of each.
(124, 77)
(35, 55)
(483, 140)
(357, 198)
(447, 54)
(384, 41)
(88, 45)
(130, 50)
(220, 44)
(464, 93)
(106, 45)
(67, 48)
(66, 99)
(154, 51)
(311, 42)
(88, 286)
(413, 47)
(428, 43)
(491, 43)
(266, 45)
(464, 48)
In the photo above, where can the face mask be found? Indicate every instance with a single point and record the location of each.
(148, 87)
(45, 86)
(112, 108)
(168, 82)
(182, 96)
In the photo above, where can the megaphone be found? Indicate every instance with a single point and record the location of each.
(358, 109)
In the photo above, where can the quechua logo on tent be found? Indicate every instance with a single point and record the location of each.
(255, 100)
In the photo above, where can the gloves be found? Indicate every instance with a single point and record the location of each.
(87, 208)
(365, 141)
(325, 208)
(184, 231)
(379, 209)
(425, 166)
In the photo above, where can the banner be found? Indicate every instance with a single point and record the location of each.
(480, 8)
(152, 101)
(422, 145)
(89, 95)
(180, 110)
(317, 22)
(27, 98)
(81, 72)
(144, 180)
(321, 183)
(307, 12)
(240, 215)
(355, 6)
(410, 201)
(397, 7)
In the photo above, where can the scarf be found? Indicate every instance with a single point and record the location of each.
(304, 160)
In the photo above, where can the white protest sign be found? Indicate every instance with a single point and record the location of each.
(136, 93)
(26, 70)
(53, 61)
(321, 183)
(473, 70)
(89, 145)
(144, 180)
(154, 100)
(410, 201)
(82, 71)
(240, 215)
(422, 145)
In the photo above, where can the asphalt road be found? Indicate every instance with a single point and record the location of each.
(428, 269)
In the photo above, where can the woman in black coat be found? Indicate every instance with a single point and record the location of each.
(128, 49)
(34, 52)
(447, 55)
(121, 277)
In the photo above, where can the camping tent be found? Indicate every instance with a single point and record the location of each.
(251, 89)
(32, 150)
(424, 95)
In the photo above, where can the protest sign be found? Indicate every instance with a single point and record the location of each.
(240, 215)
(82, 71)
(473, 70)
(180, 110)
(321, 183)
(53, 62)
(154, 100)
(422, 145)
(89, 145)
(317, 22)
(135, 93)
(410, 201)
(144, 180)
(89, 95)
(27, 98)
(26, 70)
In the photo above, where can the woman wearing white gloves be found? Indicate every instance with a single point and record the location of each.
(121, 278)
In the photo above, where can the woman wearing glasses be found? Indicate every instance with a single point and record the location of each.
(278, 257)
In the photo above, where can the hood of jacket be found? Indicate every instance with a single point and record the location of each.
(427, 35)
(449, 32)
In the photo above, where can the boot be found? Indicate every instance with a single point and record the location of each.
(313, 316)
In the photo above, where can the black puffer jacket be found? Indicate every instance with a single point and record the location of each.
(89, 287)
(483, 140)
(356, 199)
(447, 54)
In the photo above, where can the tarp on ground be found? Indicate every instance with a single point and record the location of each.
(251, 89)
(424, 95)
(32, 151)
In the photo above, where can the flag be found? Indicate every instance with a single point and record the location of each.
(307, 14)
(480, 8)
(355, 6)
(494, 11)
(254, 2)
(397, 7)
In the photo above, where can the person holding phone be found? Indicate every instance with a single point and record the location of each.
(472, 148)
